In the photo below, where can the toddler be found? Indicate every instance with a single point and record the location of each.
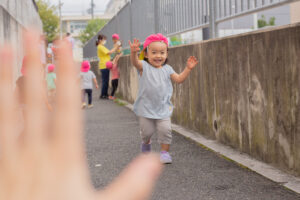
(87, 78)
(117, 42)
(153, 104)
(115, 75)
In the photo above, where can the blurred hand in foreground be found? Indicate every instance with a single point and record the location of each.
(48, 162)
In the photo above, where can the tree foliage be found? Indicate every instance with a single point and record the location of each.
(91, 29)
(49, 18)
(263, 22)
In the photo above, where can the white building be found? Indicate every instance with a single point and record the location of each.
(295, 14)
(74, 24)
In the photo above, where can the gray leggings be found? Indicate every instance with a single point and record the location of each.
(162, 126)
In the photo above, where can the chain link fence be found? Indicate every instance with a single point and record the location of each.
(140, 18)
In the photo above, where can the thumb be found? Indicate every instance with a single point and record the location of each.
(135, 182)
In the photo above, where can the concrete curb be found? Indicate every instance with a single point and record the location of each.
(289, 181)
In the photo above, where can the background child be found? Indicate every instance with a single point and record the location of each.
(153, 104)
(115, 75)
(87, 78)
(51, 81)
(117, 42)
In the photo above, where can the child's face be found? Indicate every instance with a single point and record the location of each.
(115, 40)
(157, 54)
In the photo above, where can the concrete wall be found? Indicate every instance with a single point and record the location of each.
(244, 93)
(15, 16)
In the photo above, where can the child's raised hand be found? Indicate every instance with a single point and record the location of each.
(191, 62)
(134, 46)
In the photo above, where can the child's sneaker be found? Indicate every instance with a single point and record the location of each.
(112, 98)
(83, 105)
(165, 157)
(146, 148)
(90, 105)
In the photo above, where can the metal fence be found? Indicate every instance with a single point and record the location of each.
(140, 18)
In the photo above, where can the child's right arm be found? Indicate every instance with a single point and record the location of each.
(135, 47)
(96, 83)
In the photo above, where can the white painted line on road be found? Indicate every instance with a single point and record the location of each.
(98, 165)
(289, 181)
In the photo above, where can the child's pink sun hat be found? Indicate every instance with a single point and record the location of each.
(115, 36)
(153, 38)
(109, 65)
(51, 68)
(85, 66)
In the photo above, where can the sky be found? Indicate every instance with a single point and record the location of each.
(80, 6)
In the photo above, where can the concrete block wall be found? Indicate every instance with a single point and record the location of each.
(22, 11)
(15, 17)
(245, 93)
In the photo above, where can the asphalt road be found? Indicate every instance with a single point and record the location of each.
(112, 141)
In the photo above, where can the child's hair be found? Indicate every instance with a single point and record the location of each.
(100, 37)
(146, 59)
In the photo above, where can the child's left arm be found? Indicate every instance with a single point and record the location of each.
(116, 59)
(190, 64)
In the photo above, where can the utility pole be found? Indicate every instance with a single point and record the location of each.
(60, 20)
(231, 21)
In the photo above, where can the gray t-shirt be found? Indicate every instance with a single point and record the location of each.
(155, 92)
(87, 79)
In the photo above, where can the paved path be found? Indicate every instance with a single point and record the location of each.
(112, 141)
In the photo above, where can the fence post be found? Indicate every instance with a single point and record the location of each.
(156, 23)
(130, 20)
(212, 19)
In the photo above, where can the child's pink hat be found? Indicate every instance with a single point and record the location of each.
(155, 38)
(85, 66)
(115, 36)
(51, 68)
(109, 65)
